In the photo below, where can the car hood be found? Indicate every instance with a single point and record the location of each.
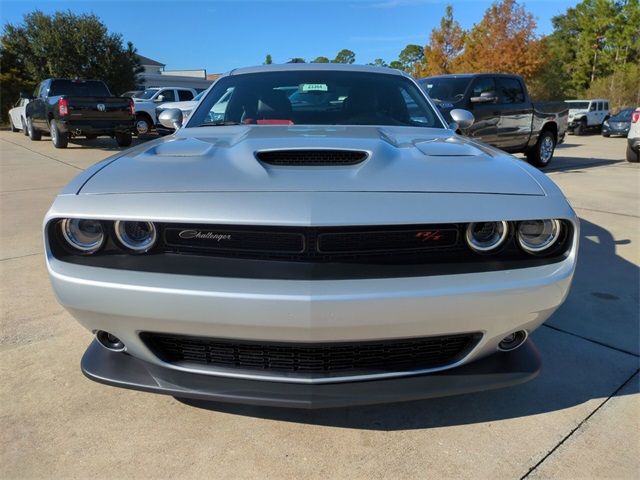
(400, 159)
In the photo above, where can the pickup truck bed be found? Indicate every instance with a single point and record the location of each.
(505, 117)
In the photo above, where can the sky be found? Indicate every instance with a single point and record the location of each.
(221, 35)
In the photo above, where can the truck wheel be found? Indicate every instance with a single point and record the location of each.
(59, 139)
(542, 153)
(143, 124)
(123, 139)
(632, 155)
(34, 134)
(13, 127)
(581, 128)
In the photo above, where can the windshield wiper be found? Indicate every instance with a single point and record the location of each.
(219, 123)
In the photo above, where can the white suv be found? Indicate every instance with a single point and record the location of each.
(587, 114)
(633, 138)
(147, 101)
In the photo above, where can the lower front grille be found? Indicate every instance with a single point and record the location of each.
(312, 360)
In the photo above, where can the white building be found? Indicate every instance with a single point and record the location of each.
(155, 75)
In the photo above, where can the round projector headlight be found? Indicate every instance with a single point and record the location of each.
(535, 236)
(136, 236)
(484, 237)
(84, 235)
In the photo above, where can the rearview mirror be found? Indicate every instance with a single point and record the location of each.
(485, 97)
(462, 119)
(171, 118)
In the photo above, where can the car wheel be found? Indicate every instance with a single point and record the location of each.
(542, 153)
(606, 134)
(123, 139)
(143, 125)
(581, 128)
(632, 155)
(25, 130)
(34, 134)
(13, 127)
(91, 136)
(59, 139)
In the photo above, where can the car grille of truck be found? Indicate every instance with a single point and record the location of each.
(312, 158)
(358, 358)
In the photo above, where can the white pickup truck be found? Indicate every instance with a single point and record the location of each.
(587, 114)
(147, 101)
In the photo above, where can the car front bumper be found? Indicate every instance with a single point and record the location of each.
(496, 371)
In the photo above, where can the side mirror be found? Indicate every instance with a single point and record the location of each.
(159, 98)
(462, 119)
(485, 97)
(171, 118)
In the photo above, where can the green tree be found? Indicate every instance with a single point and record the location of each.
(411, 56)
(320, 60)
(345, 56)
(396, 64)
(63, 45)
(268, 60)
(379, 62)
(297, 60)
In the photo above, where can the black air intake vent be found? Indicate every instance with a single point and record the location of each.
(311, 158)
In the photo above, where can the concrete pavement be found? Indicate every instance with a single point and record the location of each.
(578, 419)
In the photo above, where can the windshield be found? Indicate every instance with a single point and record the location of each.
(315, 98)
(79, 88)
(624, 115)
(446, 89)
(578, 105)
(148, 93)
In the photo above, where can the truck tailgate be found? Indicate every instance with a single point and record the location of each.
(98, 108)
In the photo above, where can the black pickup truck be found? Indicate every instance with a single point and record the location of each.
(67, 108)
(505, 117)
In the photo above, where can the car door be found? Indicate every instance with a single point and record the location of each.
(39, 109)
(485, 126)
(516, 116)
(185, 95)
(168, 95)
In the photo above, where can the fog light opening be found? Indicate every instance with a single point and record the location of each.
(513, 341)
(110, 341)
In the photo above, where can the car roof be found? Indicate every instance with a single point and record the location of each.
(342, 67)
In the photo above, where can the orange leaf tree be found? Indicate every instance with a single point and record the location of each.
(445, 45)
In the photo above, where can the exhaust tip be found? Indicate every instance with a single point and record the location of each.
(110, 341)
(513, 341)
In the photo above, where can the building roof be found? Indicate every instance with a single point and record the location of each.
(214, 76)
(148, 61)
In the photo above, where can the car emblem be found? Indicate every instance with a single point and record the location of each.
(101, 107)
(218, 237)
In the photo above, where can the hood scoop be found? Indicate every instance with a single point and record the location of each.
(311, 158)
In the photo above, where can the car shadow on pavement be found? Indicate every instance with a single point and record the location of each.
(575, 369)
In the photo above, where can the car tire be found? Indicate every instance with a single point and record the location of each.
(13, 127)
(143, 124)
(34, 133)
(606, 135)
(542, 153)
(59, 139)
(632, 155)
(123, 139)
(91, 136)
(25, 130)
(581, 128)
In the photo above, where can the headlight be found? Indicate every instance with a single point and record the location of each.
(536, 236)
(484, 237)
(84, 235)
(136, 236)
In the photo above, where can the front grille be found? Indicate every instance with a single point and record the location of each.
(311, 157)
(309, 359)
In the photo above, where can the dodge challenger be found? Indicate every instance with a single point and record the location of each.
(315, 235)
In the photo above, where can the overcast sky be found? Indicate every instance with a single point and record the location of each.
(221, 35)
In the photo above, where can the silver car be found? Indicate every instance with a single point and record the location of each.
(346, 248)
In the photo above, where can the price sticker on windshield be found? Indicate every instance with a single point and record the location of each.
(314, 87)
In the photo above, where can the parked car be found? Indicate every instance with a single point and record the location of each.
(585, 115)
(505, 117)
(315, 257)
(16, 116)
(184, 107)
(147, 101)
(618, 124)
(67, 108)
(633, 138)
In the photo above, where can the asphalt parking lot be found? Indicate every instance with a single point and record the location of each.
(579, 419)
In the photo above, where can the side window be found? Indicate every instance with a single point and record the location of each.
(509, 90)
(600, 106)
(185, 95)
(43, 89)
(593, 106)
(168, 95)
(483, 85)
(606, 105)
